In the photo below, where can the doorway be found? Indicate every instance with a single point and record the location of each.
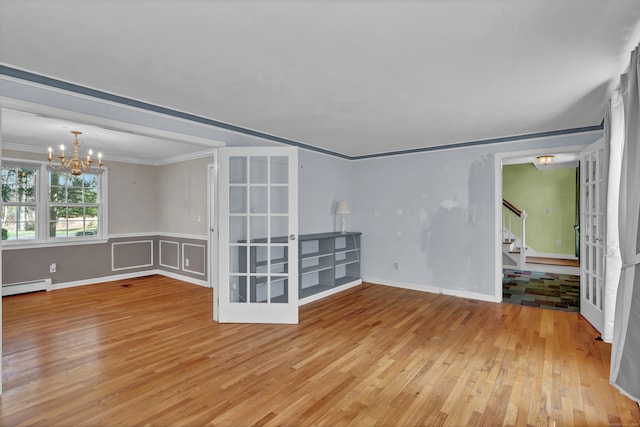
(547, 273)
(543, 270)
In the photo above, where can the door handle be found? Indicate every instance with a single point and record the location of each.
(292, 237)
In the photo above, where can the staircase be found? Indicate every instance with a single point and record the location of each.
(514, 248)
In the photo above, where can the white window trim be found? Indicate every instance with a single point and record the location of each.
(42, 206)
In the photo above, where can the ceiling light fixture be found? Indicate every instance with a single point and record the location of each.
(545, 159)
(74, 165)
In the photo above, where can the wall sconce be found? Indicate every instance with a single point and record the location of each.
(343, 209)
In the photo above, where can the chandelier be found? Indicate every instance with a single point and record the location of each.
(74, 165)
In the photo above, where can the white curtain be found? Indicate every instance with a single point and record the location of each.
(614, 142)
(625, 353)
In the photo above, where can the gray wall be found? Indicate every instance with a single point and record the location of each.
(323, 181)
(433, 214)
(133, 200)
(182, 197)
(130, 255)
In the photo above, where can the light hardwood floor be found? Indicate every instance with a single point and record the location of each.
(146, 352)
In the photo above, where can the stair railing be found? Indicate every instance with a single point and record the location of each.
(514, 228)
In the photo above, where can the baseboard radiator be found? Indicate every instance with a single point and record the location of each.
(24, 287)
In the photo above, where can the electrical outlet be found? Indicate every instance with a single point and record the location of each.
(559, 242)
(186, 262)
(52, 268)
(395, 265)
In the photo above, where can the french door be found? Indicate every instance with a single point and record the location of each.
(593, 182)
(258, 217)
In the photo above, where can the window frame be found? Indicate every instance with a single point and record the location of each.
(35, 204)
(43, 205)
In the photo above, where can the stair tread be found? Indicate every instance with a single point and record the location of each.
(553, 261)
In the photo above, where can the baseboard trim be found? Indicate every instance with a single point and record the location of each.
(461, 293)
(126, 276)
(188, 279)
(333, 291)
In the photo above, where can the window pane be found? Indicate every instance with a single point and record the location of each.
(90, 180)
(74, 195)
(91, 195)
(26, 194)
(58, 194)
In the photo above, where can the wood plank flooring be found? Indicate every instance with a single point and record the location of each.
(146, 352)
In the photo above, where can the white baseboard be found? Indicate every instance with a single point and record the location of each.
(324, 294)
(129, 276)
(188, 279)
(432, 289)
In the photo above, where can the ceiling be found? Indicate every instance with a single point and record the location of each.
(353, 77)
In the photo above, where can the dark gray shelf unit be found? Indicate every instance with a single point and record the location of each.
(327, 261)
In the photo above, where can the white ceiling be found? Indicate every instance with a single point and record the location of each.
(353, 77)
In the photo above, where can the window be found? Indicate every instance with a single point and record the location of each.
(19, 202)
(47, 206)
(74, 210)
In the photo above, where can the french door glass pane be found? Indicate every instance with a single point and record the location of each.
(237, 200)
(237, 229)
(279, 226)
(259, 169)
(259, 199)
(279, 200)
(258, 229)
(279, 170)
(238, 170)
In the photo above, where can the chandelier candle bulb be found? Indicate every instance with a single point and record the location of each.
(50, 157)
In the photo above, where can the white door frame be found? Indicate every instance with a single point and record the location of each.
(212, 227)
(513, 157)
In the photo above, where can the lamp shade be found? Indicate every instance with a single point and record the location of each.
(343, 208)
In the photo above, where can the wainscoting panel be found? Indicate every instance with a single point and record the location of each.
(195, 256)
(128, 255)
(169, 254)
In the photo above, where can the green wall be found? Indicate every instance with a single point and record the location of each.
(549, 197)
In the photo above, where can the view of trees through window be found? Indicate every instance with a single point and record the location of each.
(19, 197)
(72, 208)
(73, 204)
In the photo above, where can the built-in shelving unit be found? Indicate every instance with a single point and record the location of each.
(328, 263)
